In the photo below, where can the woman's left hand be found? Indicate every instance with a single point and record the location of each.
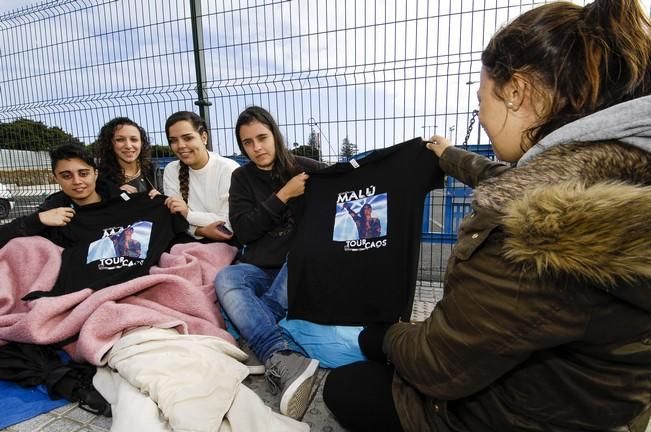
(438, 144)
(177, 205)
(215, 231)
(153, 192)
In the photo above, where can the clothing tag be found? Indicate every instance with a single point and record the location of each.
(354, 163)
(124, 196)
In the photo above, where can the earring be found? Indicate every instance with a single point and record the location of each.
(509, 105)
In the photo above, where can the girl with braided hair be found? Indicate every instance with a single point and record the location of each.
(197, 183)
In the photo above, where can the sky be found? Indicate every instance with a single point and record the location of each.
(376, 72)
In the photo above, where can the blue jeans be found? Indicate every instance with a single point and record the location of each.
(255, 299)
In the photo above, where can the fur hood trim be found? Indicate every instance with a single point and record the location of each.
(581, 209)
(601, 232)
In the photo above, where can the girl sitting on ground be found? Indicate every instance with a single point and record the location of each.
(197, 183)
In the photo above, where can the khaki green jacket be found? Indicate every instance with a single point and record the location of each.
(545, 322)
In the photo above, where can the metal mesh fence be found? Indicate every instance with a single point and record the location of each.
(340, 76)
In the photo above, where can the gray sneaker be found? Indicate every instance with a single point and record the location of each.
(294, 375)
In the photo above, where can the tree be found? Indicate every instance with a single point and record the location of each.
(348, 149)
(307, 151)
(158, 150)
(26, 134)
(314, 140)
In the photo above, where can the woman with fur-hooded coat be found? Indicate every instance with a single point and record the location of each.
(545, 323)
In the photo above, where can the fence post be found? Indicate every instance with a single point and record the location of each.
(200, 65)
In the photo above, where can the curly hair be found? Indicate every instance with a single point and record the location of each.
(108, 161)
(578, 59)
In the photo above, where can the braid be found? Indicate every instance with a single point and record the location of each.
(200, 127)
(184, 180)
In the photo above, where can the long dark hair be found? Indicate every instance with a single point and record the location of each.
(199, 126)
(284, 166)
(361, 211)
(578, 60)
(108, 161)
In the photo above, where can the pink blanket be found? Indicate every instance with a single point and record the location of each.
(178, 293)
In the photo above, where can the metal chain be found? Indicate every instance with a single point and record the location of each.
(471, 123)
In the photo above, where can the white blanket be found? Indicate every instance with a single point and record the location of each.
(195, 381)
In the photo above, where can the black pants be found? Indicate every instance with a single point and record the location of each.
(359, 395)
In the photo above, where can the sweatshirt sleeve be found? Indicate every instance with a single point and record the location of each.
(483, 327)
(171, 180)
(469, 168)
(23, 226)
(250, 218)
